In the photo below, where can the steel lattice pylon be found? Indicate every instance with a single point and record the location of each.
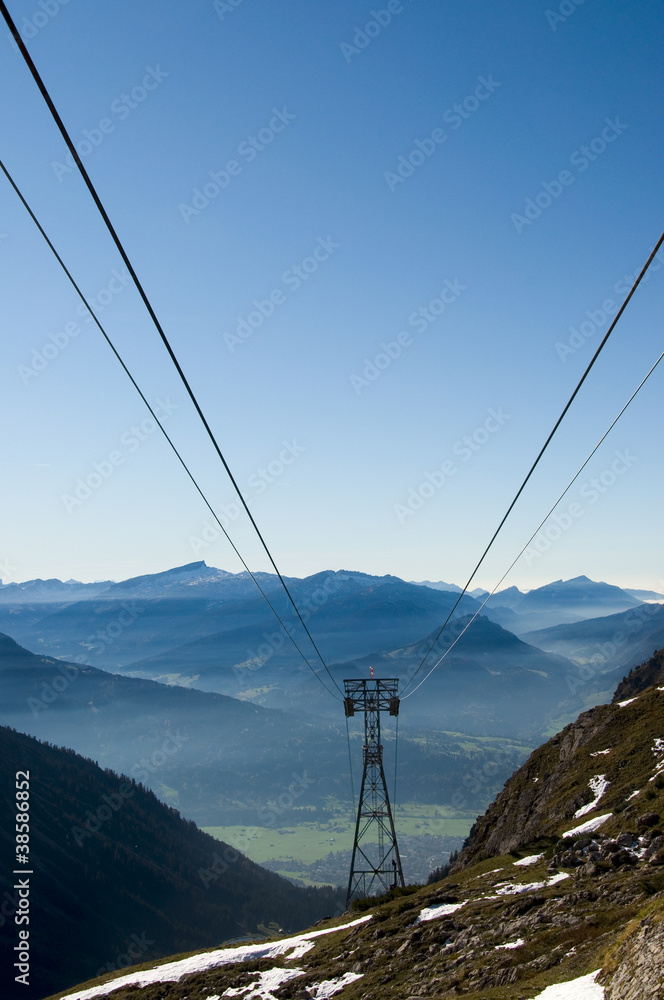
(375, 865)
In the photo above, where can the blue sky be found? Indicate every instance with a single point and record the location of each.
(384, 247)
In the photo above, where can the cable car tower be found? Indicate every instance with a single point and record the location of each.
(375, 864)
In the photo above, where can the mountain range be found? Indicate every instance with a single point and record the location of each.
(201, 626)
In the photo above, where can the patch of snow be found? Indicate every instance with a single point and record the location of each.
(658, 750)
(589, 827)
(628, 701)
(511, 944)
(660, 689)
(174, 971)
(299, 950)
(598, 785)
(598, 753)
(633, 795)
(431, 912)
(535, 780)
(269, 980)
(331, 986)
(584, 988)
(492, 872)
(530, 860)
(510, 888)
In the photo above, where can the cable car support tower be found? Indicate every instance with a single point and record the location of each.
(375, 864)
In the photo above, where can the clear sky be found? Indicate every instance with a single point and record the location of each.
(384, 241)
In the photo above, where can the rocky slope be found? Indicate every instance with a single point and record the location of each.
(561, 882)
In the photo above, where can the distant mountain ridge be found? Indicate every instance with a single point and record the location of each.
(558, 603)
(47, 591)
(619, 641)
(354, 613)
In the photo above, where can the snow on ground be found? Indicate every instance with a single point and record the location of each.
(598, 753)
(598, 785)
(628, 701)
(511, 944)
(633, 795)
(589, 827)
(329, 987)
(584, 988)
(431, 912)
(509, 888)
(268, 981)
(658, 750)
(530, 860)
(173, 971)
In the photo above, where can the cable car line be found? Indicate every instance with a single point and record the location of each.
(538, 528)
(541, 453)
(155, 417)
(148, 305)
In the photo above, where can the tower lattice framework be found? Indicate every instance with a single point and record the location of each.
(375, 864)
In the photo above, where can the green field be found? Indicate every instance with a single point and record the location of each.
(310, 841)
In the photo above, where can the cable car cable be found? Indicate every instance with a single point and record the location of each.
(155, 417)
(148, 305)
(538, 528)
(541, 453)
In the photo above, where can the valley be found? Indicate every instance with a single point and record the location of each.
(307, 850)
